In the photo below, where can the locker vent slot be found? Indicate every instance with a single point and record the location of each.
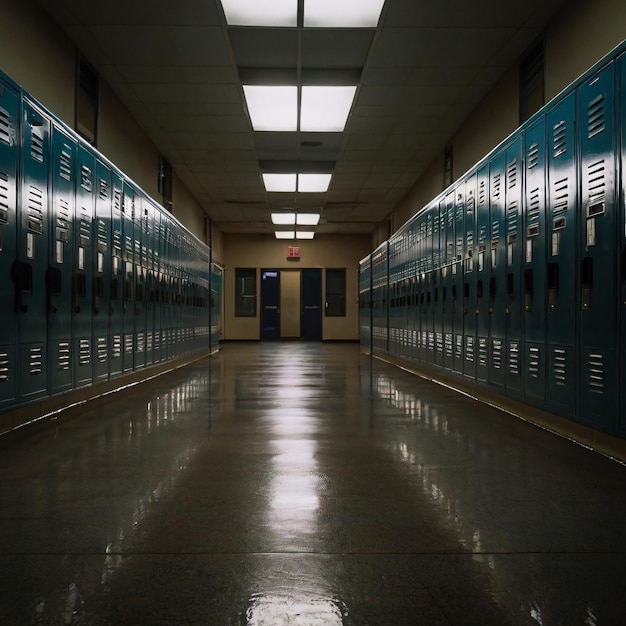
(102, 349)
(5, 126)
(141, 343)
(596, 181)
(534, 362)
(559, 366)
(35, 210)
(471, 203)
(561, 195)
(149, 342)
(458, 347)
(559, 140)
(116, 347)
(469, 349)
(128, 343)
(512, 217)
(36, 149)
(64, 353)
(514, 358)
(495, 231)
(482, 194)
(596, 116)
(85, 178)
(103, 189)
(65, 166)
(497, 184)
(512, 174)
(596, 373)
(533, 208)
(448, 344)
(4, 196)
(482, 351)
(496, 353)
(117, 200)
(4, 366)
(439, 342)
(35, 362)
(84, 352)
(533, 156)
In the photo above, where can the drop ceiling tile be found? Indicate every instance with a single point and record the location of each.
(264, 48)
(336, 48)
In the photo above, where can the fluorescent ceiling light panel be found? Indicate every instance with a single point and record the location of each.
(308, 219)
(342, 13)
(280, 182)
(301, 234)
(314, 183)
(284, 234)
(272, 108)
(256, 13)
(325, 109)
(284, 219)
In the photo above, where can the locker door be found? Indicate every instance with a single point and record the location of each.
(622, 231)
(128, 292)
(149, 295)
(116, 327)
(33, 246)
(469, 280)
(497, 287)
(141, 273)
(157, 286)
(561, 267)
(9, 132)
(534, 264)
(597, 245)
(443, 320)
(482, 275)
(456, 295)
(83, 269)
(61, 261)
(102, 271)
(513, 314)
(432, 284)
(216, 306)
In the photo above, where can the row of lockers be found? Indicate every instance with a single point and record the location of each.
(97, 279)
(514, 278)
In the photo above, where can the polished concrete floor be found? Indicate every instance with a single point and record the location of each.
(306, 484)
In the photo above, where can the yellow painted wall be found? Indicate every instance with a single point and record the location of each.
(265, 252)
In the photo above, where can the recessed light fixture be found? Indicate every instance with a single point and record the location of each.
(325, 109)
(284, 234)
(280, 182)
(308, 219)
(272, 108)
(317, 13)
(254, 13)
(302, 183)
(305, 234)
(343, 14)
(284, 219)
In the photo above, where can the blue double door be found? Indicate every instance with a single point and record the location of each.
(310, 305)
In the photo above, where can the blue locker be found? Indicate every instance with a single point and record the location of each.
(33, 253)
(365, 303)
(622, 241)
(469, 302)
(82, 332)
(497, 288)
(9, 133)
(140, 226)
(457, 279)
(217, 279)
(433, 254)
(597, 381)
(159, 286)
(128, 270)
(444, 315)
(60, 272)
(562, 263)
(116, 310)
(102, 271)
(534, 264)
(151, 212)
(513, 313)
(380, 284)
(482, 274)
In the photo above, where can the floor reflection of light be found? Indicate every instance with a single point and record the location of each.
(296, 608)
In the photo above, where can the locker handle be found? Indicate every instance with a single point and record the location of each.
(528, 289)
(22, 277)
(492, 293)
(623, 275)
(553, 284)
(54, 287)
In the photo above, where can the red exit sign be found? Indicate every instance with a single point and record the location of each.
(293, 252)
